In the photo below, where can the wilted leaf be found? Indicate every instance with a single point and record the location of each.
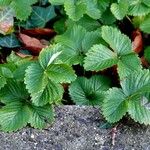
(137, 43)
(33, 44)
(39, 32)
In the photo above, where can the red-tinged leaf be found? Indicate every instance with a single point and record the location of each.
(32, 44)
(144, 62)
(40, 32)
(137, 43)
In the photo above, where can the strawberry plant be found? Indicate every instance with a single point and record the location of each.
(84, 52)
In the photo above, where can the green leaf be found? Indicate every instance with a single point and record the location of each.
(35, 79)
(57, 2)
(115, 105)
(9, 41)
(138, 8)
(136, 83)
(22, 8)
(52, 93)
(76, 42)
(147, 53)
(60, 73)
(85, 91)
(145, 25)
(138, 112)
(5, 2)
(126, 66)
(119, 10)
(119, 42)
(40, 16)
(75, 9)
(6, 72)
(92, 9)
(2, 81)
(88, 23)
(13, 91)
(40, 116)
(14, 116)
(100, 58)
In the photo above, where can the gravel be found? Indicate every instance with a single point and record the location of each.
(77, 128)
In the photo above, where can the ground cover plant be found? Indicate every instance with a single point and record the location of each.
(84, 52)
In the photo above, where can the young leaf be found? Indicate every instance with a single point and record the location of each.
(85, 91)
(14, 116)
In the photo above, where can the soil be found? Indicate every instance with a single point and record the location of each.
(78, 128)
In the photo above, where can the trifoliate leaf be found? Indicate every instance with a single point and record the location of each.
(100, 58)
(40, 116)
(60, 73)
(115, 105)
(85, 91)
(9, 41)
(14, 116)
(52, 93)
(13, 91)
(76, 42)
(35, 79)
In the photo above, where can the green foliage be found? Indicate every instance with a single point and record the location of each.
(101, 57)
(43, 78)
(147, 53)
(128, 99)
(91, 91)
(76, 42)
(30, 88)
(22, 8)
